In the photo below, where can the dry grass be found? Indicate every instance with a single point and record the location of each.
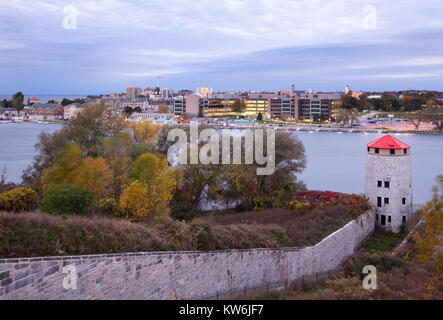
(39, 234)
(303, 228)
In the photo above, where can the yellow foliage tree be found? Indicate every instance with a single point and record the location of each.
(64, 169)
(430, 242)
(145, 132)
(155, 182)
(134, 202)
(94, 175)
(163, 108)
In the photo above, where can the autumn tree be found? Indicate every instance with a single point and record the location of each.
(163, 108)
(145, 132)
(429, 242)
(434, 114)
(96, 122)
(65, 167)
(416, 118)
(94, 175)
(149, 194)
(238, 106)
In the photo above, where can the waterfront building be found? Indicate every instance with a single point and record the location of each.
(388, 183)
(321, 105)
(44, 111)
(283, 108)
(222, 108)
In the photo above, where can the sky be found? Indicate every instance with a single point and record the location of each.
(103, 46)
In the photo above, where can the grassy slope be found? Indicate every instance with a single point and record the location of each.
(38, 234)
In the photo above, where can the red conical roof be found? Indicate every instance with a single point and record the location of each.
(388, 142)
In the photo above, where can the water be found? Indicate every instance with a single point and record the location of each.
(17, 142)
(335, 161)
(44, 98)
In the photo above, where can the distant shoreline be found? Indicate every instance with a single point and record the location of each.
(295, 129)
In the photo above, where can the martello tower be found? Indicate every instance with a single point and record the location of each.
(388, 181)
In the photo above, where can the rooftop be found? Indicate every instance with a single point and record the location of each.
(388, 142)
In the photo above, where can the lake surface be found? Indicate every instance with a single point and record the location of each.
(335, 161)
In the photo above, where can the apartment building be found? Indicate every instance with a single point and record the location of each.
(132, 92)
(284, 108)
(312, 105)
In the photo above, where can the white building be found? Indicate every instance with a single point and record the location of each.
(388, 184)
(204, 92)
(71, 110)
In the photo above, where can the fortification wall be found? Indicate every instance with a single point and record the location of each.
(176, 275)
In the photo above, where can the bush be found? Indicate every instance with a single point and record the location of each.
(66, 198)
(18, 200)
(298, 206)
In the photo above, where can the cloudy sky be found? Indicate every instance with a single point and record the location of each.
(88, 47)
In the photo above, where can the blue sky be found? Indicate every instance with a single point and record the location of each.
(228, 45)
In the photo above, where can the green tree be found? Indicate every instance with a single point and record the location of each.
(17, 101)
(259, 116)
(65, 102)
(66, 198)
(350, 102)
(238, 106)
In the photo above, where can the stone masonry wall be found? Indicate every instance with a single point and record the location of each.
(176, 275)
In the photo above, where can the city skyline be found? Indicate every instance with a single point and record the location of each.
(234, 45)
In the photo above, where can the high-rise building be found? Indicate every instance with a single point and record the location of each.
(320, 105)
(284, 108)
(167, 93)
(132, 92)
(205, 92)
(347, 89)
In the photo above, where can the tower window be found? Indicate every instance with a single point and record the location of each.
(404, 219)
(376, 150)
(392, 151)
(383, 219)
(403, 200)
(379, 202)
(376, 216)
(389, 219)
(386, 184)
(386, 200)
(405, 151)
(379, 183)
(369, 149)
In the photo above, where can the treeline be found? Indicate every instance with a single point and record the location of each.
(99, 163)
(391, 103)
